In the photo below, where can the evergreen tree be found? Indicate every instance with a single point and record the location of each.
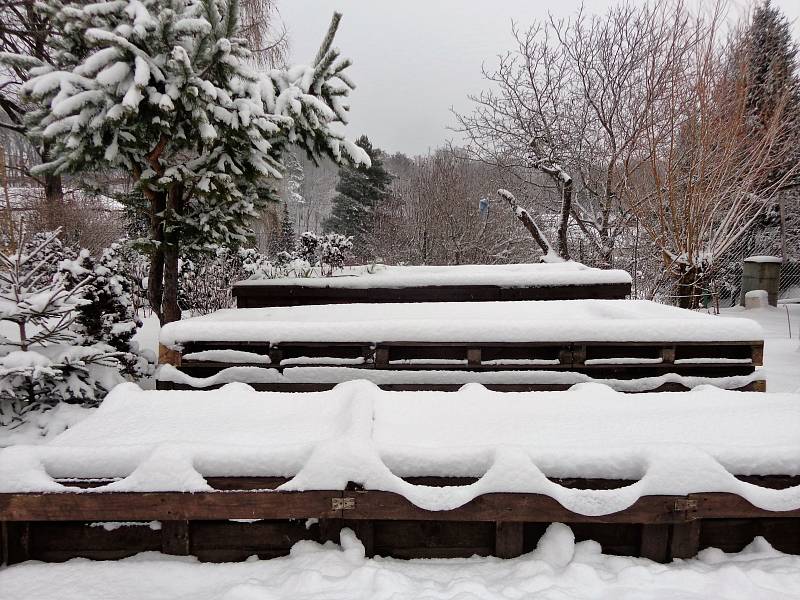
(767, 56)
(285, 240)
(164, 90)
(773, 86)
(360, 190)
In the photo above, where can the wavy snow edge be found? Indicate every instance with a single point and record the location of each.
(361, 438)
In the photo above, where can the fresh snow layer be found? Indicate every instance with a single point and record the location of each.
(558, 569)
(669, 443)
(550, 321)
(329, 375)
(507, 276)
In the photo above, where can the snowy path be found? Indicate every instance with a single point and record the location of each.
(781, 353)
(558, 569)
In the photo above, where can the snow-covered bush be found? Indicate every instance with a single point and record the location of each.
(107, 315)
(334, 248)
(307, 247)
(206, 279)
(42, 360)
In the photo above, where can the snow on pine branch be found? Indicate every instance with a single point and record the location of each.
(165, 90)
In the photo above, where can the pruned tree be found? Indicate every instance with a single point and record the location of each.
(165, 92)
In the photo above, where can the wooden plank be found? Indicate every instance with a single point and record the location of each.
(508, 507)
(509, 539)
(251, 296)
(730, 506)
(146, 506)
(685, 540)
(655, 542)
(175, 537)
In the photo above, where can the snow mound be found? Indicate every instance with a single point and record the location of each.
(558, 569)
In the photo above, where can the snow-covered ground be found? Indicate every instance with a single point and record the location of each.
(781, 352)
(559, 569)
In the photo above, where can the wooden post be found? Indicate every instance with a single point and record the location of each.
(17, 542)
(668, 355)
(365, 532)
(655, 542)
(175, 538)
(3, 543)
(685, 541)
(757, 354)
(474, 357)
(381, 357)
(508, 539)
(168, 356)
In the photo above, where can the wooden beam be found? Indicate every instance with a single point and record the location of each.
(685, 542)
(731, 506)
(165, 506)
(508, 507)
(509, 539)
(655, 542)
(175, 537)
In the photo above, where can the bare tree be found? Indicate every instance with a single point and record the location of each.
(267, 36)
(573, 102)
(710, 172)
(434, 214)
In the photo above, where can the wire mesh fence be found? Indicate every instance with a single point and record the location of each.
(720, 284)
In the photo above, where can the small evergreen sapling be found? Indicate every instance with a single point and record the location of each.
(43, 364)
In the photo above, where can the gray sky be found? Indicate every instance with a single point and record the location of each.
(414, 59)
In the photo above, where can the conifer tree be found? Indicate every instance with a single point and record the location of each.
(360, 190)
(773, 85)
(165, 90)
(285, 241)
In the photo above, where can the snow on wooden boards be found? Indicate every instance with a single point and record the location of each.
(666, 443)
(461, 283)
(55, 527)
(602, 339)
(566, 321)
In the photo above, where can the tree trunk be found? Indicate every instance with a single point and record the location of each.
(155, 278)
(170, 308)
(687, 289)
(53, 195)
(566, 206)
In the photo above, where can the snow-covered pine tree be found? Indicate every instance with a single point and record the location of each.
(106, 316)
(768, 55)
(360, 189)
(164, 90)
(42, 364)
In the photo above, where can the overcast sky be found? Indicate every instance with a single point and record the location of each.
(414, 59)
